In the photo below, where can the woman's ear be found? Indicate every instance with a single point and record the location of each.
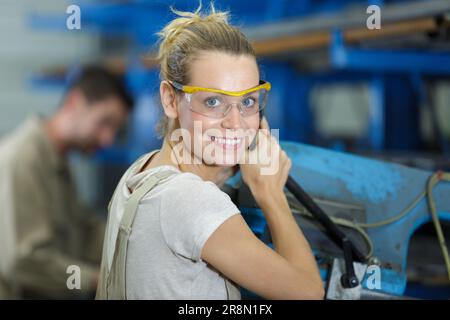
(168, 99)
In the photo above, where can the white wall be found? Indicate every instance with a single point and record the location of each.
(24, 51)
(341, 110)
(442, 100)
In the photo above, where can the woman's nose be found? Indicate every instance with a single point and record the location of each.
(232, 119)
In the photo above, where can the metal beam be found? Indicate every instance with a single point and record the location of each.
(342, 57)
(352, 18)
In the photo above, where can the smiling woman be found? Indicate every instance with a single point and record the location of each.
(172, 233)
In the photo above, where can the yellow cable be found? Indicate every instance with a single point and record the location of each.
(341, 222)
(432, 182)
(403, 213)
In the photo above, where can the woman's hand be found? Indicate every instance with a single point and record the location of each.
(268, 174)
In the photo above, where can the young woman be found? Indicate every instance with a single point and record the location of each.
(172, 233)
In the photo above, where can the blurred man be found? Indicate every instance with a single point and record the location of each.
(43, 229)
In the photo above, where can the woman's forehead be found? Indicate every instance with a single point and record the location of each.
(216, 70)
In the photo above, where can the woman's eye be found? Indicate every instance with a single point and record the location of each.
(249, 102)
(212, 102)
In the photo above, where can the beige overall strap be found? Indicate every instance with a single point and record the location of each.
(116, 279)
(233, 292)
(119, 184)
(131, 206)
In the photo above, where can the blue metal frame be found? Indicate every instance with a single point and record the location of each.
(383, 189)
(432, 63)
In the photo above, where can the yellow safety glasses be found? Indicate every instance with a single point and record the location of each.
(216, 103)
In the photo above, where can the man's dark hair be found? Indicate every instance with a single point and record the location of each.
(97, 83)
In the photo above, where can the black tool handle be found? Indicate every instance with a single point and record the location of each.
(331, 228)
(348, 279)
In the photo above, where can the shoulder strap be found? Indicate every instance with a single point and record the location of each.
(114, 281)
(150, 155)
(233, 292)
(133, 202)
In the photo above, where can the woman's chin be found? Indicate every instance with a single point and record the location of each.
(228, 159)
(226, 164)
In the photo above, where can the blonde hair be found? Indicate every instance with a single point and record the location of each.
(182, 39)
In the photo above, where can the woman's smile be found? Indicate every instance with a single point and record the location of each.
(227, 143)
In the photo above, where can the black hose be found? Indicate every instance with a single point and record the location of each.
(331, 228)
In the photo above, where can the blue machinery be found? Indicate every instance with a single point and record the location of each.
(359, 190)
(347, 187)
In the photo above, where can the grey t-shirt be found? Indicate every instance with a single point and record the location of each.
(172, 224)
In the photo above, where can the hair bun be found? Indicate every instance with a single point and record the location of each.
(185, 18)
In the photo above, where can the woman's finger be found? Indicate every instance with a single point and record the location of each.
(264, 124)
